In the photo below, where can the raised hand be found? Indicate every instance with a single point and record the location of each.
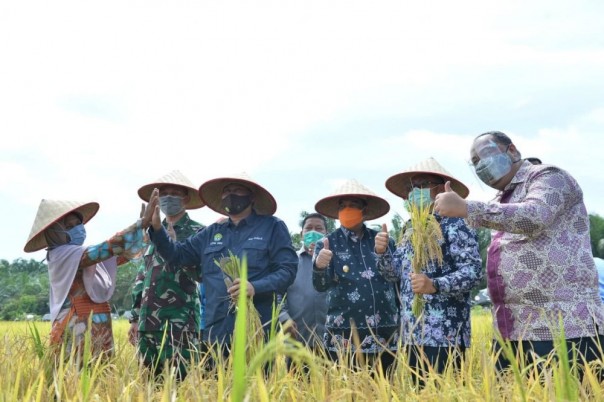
(324, 256)
(381, 240)
(449, 203)
(151, 212)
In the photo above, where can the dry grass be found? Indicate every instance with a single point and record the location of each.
(24, 375)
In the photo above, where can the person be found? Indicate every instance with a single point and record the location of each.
(443, 331)
(534, 160)
(165, 299)
(600, 267)
(250, 230)
(540, 270)
(82, 278)
(361, 302)
(306, 307)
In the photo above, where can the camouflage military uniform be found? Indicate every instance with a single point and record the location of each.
(166, 301)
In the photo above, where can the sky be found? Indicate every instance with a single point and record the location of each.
(100, 98)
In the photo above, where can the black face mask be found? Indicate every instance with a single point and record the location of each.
(233, 204)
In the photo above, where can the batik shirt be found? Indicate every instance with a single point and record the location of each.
(162, 293)
(446, 318)
(540, 263)
(357, 294)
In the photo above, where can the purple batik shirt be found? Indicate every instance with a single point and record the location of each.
(540, 264)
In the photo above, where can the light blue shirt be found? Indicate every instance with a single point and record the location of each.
(600, 267)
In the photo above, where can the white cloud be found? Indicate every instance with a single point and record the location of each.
(98, 99)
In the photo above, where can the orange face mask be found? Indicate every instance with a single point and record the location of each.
(350, 217)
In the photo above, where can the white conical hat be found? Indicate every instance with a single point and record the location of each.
(399, 183)
(175, 178)
(51, 211)
(211, 193)
(376, 206)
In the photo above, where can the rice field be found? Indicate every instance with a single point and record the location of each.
(27, 373)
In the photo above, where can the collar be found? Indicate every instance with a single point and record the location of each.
(303, 250)
(248, 220)
(352, 235)
(183, 221)
(519, 177)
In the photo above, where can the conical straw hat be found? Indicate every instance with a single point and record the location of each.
(376, 206)
(175, 178)
(211, 193)
(399, 183)
(51, 211)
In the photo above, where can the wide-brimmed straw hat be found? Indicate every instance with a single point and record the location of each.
(175, 178)
(376, 206)
(399, 183)
(51, 211)
(211, 193)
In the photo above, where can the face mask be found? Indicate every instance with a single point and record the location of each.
(170, 205)
(233, 204)
(350, 217)
(493, 168)
(77, 235)
(420, 197)
(311, 237)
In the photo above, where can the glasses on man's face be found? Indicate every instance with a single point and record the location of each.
(423, 184)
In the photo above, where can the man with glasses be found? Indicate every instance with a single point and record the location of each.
(540, 270)
(442, 333)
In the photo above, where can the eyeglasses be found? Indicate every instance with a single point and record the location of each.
(423, 184)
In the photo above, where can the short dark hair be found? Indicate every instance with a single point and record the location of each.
(499, 137)
(534, 160)
(314, 215)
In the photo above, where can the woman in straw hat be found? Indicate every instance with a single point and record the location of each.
(442, 331)
(361, 301)
(82, 278)
(250, 230)
(166, 303)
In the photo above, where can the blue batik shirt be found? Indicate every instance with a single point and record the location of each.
(446, 318)
(357, 294)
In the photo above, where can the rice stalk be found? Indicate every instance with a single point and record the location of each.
(426, 238)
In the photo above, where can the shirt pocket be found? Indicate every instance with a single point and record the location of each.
(211, 257)
(257, 256)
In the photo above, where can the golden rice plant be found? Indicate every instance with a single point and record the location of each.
(231, 267)
(426, 237)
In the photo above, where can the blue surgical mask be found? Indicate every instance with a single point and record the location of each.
(420, 197)
(77, 235)
(311, 237)
(171, 205)
(493, 168)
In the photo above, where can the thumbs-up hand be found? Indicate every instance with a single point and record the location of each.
(449, 203)
(381, 240)
(324, 256)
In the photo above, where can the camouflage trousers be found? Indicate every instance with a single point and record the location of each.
(158, 348)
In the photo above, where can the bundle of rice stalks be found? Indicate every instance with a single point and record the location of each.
(231, 267)
(425, 238)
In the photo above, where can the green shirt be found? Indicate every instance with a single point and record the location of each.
(163, 293)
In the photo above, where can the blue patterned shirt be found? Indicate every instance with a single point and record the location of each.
(446, 317)
(357, 293)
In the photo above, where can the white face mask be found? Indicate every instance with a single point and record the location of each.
(171, 205)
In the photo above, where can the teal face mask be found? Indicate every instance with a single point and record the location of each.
(311, 237)
(420, 197)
